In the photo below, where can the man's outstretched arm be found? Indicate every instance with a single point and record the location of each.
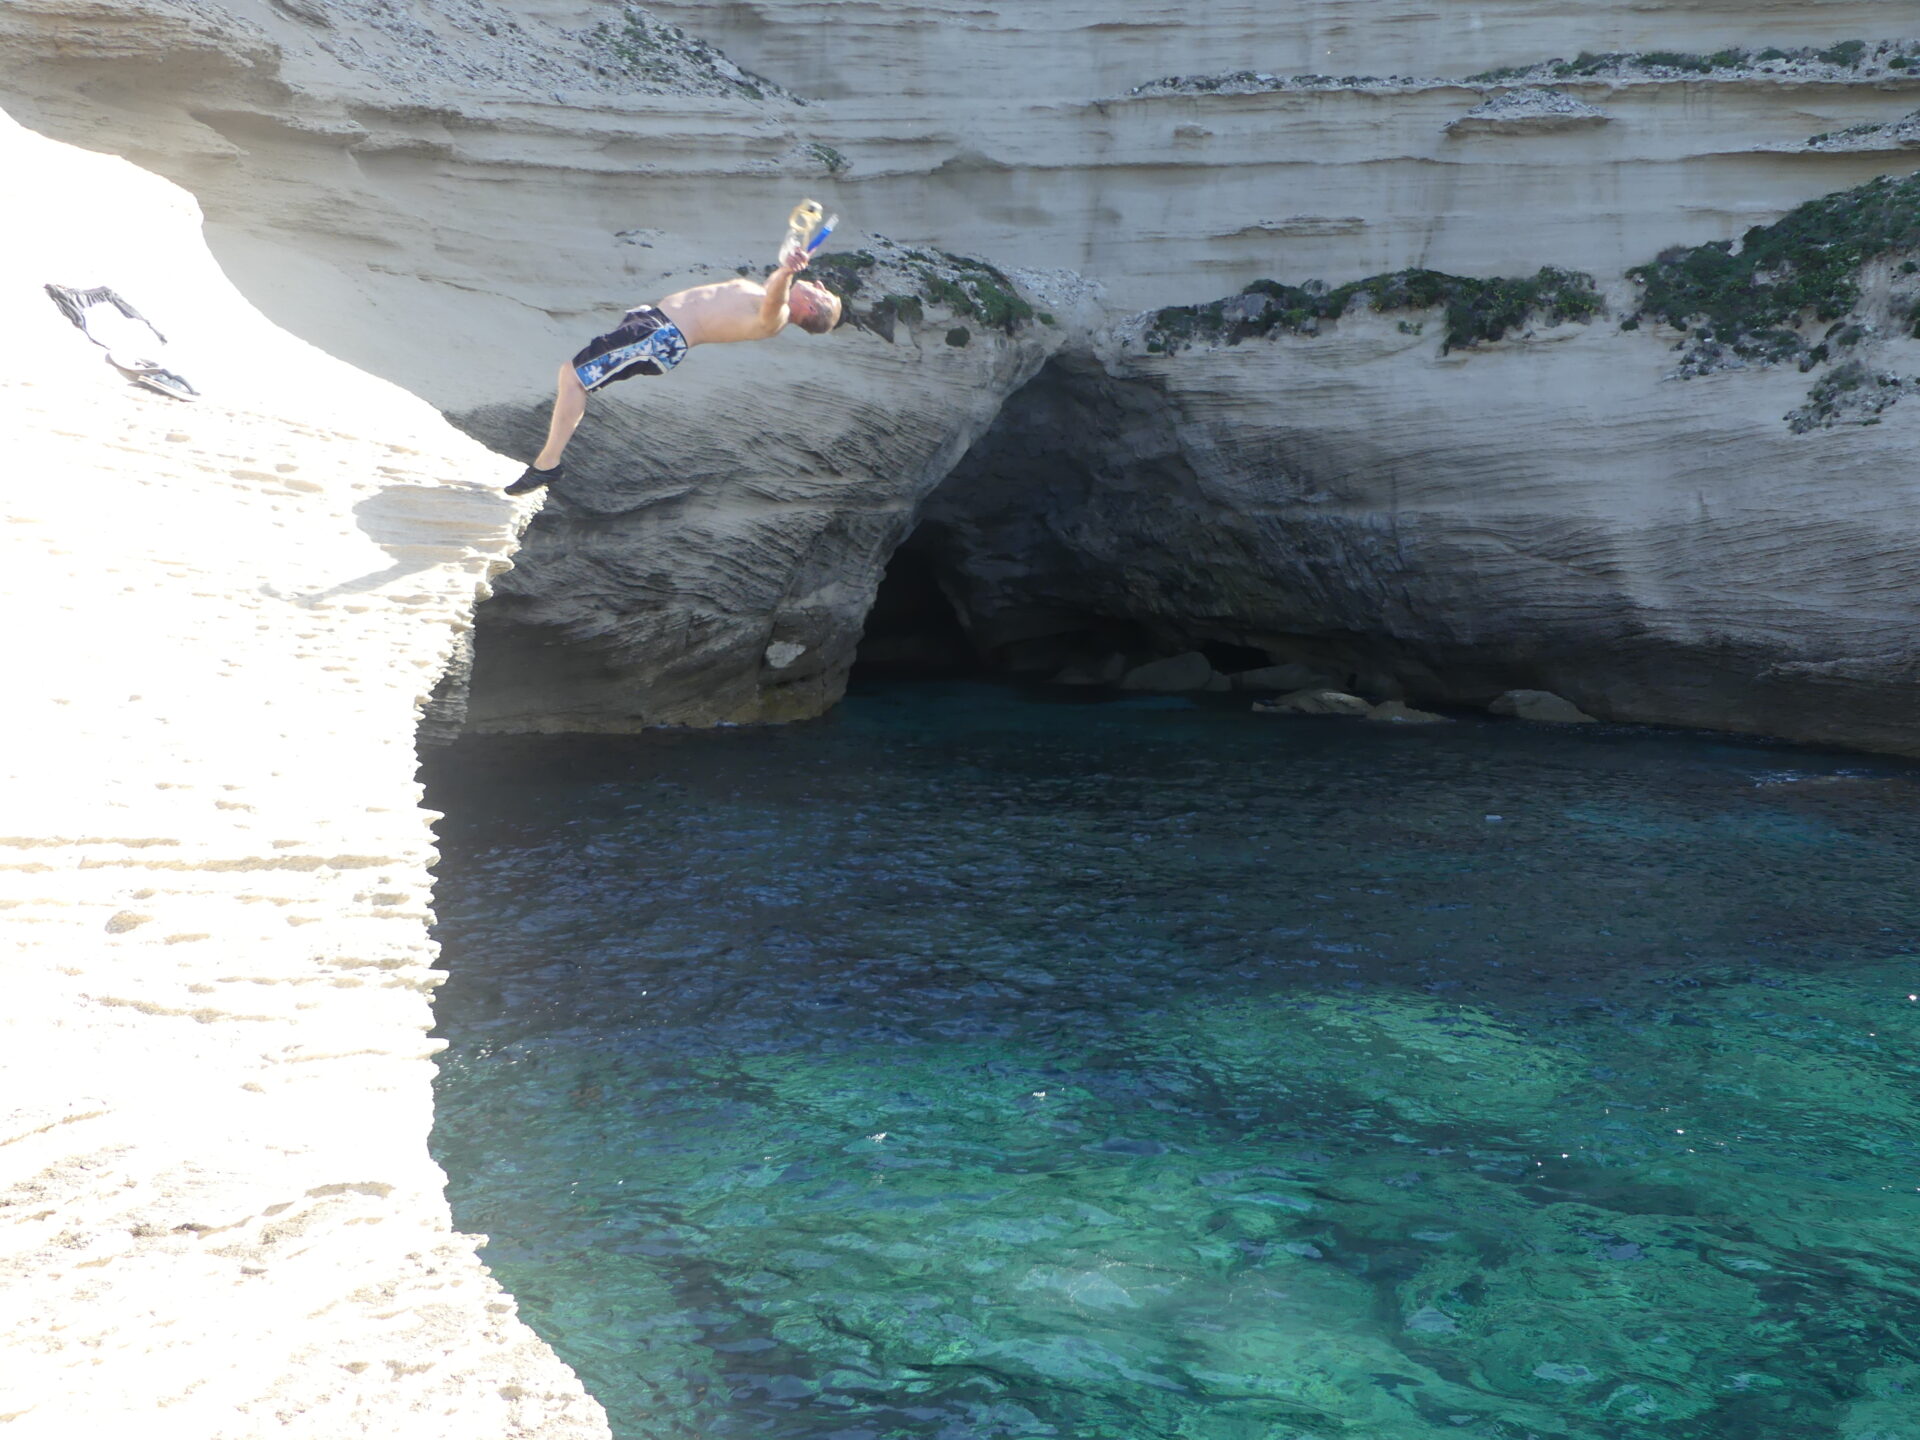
(773, 307)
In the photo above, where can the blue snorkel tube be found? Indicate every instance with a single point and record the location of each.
(826, 229)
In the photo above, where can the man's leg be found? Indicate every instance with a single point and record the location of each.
(569, 404)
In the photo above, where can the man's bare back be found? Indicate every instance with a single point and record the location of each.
(652, 339)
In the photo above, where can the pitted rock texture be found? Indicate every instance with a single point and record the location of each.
(220, 1217)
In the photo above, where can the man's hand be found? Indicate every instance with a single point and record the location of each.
(794, 258)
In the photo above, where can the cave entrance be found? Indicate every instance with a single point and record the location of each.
(915, 629)
(912, 631)
(1073, 544)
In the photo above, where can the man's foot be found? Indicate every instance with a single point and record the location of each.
(533, 479)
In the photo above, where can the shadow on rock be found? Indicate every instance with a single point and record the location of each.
(421, 527)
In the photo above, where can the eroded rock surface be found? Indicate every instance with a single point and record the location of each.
(223, 1005)
(720, 567)
(221, 1220)
(1546, 511)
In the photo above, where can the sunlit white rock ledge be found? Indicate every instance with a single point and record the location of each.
(218, 1215)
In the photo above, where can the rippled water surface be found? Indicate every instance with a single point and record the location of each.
(972, 1066)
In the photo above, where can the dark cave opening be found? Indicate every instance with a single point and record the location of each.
(1075, 544)
(916, 629)
(912, 631)
(1227, 657)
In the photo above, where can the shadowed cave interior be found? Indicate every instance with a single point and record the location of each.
(917, 630)
(1011, 570)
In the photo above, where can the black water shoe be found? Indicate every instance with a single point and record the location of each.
(533, 479)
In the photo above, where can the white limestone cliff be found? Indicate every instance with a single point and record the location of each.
(1704, 565)
(455, 193)
(218, 1217)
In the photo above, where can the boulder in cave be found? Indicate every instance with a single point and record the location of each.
(1540, 705)
(1188, 671)
(1314, 702)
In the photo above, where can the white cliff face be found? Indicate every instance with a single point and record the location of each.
(1015, 130)
(1707, 567)
(219, 1215)
(460, 205)
(456, 194)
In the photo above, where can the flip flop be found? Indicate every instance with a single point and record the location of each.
(167, 383)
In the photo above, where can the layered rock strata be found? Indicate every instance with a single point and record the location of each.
(1182, 151)
(1652, 548)
(456, 194)
(684, 576)
(458, 207)
(219, 1215)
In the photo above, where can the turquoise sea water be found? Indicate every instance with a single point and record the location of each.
(979, 1066)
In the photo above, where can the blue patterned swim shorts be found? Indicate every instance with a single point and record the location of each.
(647, 343)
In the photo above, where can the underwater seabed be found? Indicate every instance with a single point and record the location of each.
(979, 1066)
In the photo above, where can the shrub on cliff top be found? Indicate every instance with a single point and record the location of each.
(656, 54)
(1805, 264)
(1476, 310)
(971, 289)
(975, 289)
(1846, 55)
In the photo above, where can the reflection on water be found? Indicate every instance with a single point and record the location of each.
(971, 1066)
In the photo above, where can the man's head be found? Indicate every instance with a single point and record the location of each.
(814, 308)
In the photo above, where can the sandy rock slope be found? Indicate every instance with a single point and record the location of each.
(218, 1218)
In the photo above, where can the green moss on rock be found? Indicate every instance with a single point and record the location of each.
(657, 55)
(1852, 393)
(1732, 60)
(832, 159)
(1805, 266)
(971, 289)
(1476, 310)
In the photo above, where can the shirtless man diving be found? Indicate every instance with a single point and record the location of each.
(652, 339)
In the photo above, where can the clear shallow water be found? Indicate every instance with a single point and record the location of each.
(971, 1066)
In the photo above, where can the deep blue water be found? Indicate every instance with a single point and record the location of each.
(981, 1066)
